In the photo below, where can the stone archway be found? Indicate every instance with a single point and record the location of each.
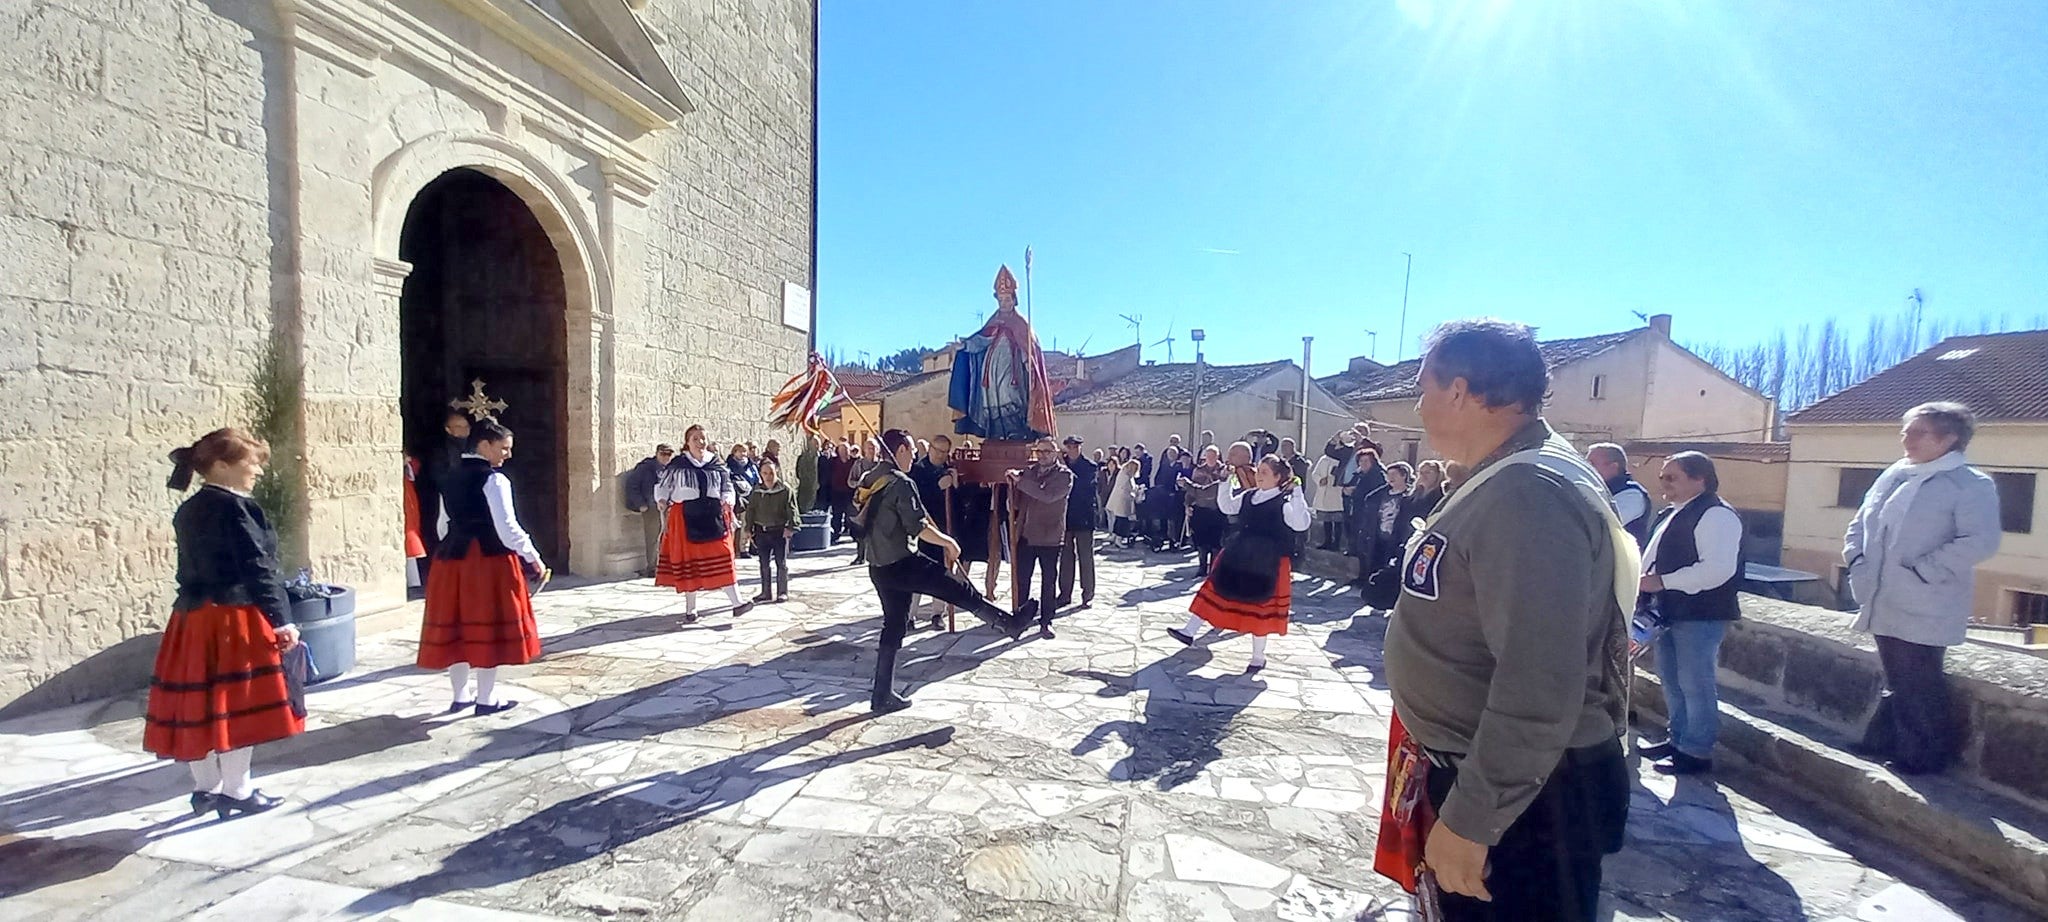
(557, 208)
(485, 305)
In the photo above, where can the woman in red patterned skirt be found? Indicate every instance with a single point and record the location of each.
(1248, 588)
(219, 685)
(696, 547)
(479, 615)
(415, 544)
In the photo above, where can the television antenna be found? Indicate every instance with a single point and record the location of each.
(1137, 322)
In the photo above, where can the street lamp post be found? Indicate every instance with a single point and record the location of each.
(1301, 407)
(1195, 413)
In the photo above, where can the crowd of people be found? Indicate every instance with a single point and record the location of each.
(1521, 576)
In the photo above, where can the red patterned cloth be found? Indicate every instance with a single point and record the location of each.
(1257, 618)
(218, 685)
(478, 612)
(414, 545)
(690, 566)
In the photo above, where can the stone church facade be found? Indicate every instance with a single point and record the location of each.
(602, 209)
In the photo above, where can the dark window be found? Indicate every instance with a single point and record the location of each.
(1411, 448)
(1599, 387)
(2029, 608)
(1285, 409)
(2015, 502)
(1855, 482)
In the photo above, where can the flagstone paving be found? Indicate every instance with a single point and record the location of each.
(728, 771)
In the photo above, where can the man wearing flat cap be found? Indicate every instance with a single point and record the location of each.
(1077, 551)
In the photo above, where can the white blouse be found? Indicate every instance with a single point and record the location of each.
(498, 495)
(680, 486)
(1229, 501)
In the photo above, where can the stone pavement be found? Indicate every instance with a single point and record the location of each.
(728, 771)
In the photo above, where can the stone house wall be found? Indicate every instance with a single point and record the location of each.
(224, 173)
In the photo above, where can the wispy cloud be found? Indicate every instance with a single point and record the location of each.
(1218, 251)
(1420, 13)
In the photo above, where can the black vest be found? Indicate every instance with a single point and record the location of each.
(1640, 528)
(469, 514)
(1249, 569)
(1677, 550)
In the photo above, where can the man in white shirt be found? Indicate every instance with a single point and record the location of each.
(1693, 566)
(1631, 501)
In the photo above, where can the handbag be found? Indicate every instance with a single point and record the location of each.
(298, 665)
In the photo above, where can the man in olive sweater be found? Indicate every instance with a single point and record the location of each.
(1040, 495)
(1504, 652)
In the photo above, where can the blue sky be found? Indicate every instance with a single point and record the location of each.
(1257, 169)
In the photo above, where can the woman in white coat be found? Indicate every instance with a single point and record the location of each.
(1123, 502)
(1912, 550)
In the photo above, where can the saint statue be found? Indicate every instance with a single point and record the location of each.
(999, 390)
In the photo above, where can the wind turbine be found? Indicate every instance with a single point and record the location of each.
(1168, 343)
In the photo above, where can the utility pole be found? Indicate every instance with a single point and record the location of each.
(1195, 413)
(1401, 338)
(1301, 408)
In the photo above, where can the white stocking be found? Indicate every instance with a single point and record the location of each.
(234, 773)
(458, 678)
(1259, 651)
(690, 601)
(205, 774)
(412, 572)
(732, 592)
(1194, 625)
(487, 686)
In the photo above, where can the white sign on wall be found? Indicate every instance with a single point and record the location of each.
(796, 306)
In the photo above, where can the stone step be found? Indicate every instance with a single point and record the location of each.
(1988, 837)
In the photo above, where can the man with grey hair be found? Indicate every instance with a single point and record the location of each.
(1631, 501)
(1692, 568)
(1505, 650)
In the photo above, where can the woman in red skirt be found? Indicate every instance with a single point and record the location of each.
(219, 684)
(415, 544)
(1248, 589)
(696, 546)
(479, 615)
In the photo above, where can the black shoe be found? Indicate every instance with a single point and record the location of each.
(1087, 600)
(689, 617)
(885, 699)
(742, 609)
(1682, 764)
(1045, 632)
(257, 802)
(1658, 752)
(486, 710)
(459, 706)
(1063, 601)
(765, 596)
(202, 801)
(1180, 635)
(1254, 668)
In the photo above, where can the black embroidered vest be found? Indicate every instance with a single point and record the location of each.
(469, 514)
(1677, 550)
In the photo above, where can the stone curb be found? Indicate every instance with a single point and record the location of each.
(1946, 822)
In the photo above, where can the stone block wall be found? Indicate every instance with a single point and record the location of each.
(1807, 661)
(176, 176)
(135, 278)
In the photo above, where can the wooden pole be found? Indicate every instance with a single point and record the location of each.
(951, 625)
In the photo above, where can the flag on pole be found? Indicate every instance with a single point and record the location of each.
(804, 396)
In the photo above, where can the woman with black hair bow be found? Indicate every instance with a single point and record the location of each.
(219, 684)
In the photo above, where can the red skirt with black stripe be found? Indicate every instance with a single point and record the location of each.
(218, 685)
(690, 566)
(478, 613)
(1260, 618)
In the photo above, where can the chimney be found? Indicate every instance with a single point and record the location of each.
(1362, 363)
(1662, 324)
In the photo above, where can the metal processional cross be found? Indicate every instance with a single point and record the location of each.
(478, 406)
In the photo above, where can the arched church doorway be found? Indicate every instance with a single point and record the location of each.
(485, 302)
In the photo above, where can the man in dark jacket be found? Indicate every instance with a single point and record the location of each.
(640, 483)
(1041, 493)
(441, 463)
(1077, 549)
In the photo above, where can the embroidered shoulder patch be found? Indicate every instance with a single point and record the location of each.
(1419, 575)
